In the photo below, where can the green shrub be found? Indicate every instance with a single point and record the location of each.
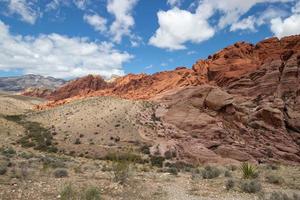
(157, 161)
(272, 167)
(249, 171)
(274, 179)
(121, 171)
(229, 184)
(3, 168)
(250, 186)
(283, 196)
(124, 156)
(8, 152)
(60, 173)
(91, 193)
(68, 193)
(210, 172)
(227, 173)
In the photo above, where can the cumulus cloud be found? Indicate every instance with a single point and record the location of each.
(96, 21)
(287, 26)
(124, 21)
(59, 56)
(179, 26)
(24, 9)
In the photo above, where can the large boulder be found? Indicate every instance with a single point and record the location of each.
(218, 99)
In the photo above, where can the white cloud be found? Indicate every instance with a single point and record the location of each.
(81, 4)
(174, 2)
(96, 21)
(245, 24)
(288, 26)
(59, 56)
(177, 27)
(284, 27)
(124, 21)
(24, 9)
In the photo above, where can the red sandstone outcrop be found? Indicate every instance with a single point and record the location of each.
(80, 86)
(37, 92)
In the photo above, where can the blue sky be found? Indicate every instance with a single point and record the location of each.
(71, 38)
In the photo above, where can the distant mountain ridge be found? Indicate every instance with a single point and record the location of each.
(21, 83)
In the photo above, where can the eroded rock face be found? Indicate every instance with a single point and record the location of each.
(81, 86)
(37, 92)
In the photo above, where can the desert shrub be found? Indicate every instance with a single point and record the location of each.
(172, 170)
(53, 162)
(157, 161)
(124, 156)
(3, 168)
(145, 149)
(229, 184)
(250, 186)
(274, 179)
(227, 173)
(91, 193)
(121, 171)
(26, 155)
(272, 166)
(249, 171)
(232, 167)
(77, 141)
(60, 173)
(68, 193)
(283, 196)
(8, 152)
(210, 172)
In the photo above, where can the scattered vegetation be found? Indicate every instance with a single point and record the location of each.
(210, 172)
(250, 186)
(36, 136)
(248, 171)
(90, 193)
(283, 196)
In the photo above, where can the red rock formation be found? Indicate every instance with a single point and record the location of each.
(37, 92)
(241, 58)
(81, 86)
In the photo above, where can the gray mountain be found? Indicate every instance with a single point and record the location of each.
(20, 83)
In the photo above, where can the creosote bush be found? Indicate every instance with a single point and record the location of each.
(274, 179)
(121, 171)
(250, 186)
(283, 196)
(229, 184)
(249, 171)
(60, 173)
(91, 193)
(210, 172)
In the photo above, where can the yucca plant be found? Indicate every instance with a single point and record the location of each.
(248, 171)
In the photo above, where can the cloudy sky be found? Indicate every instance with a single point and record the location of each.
(71, 38)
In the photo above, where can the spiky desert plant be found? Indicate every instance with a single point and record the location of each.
(249, 171)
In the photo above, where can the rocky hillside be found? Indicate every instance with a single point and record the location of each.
(222, 68)
(20, 83)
